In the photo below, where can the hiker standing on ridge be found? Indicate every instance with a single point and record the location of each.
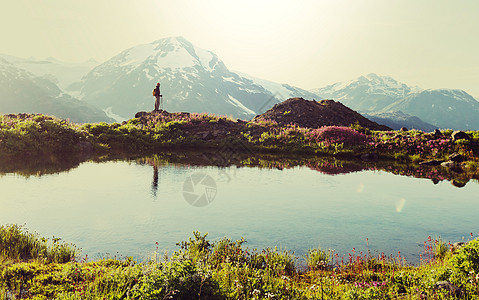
(157, 94)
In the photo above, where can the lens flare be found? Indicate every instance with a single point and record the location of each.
(400, 204)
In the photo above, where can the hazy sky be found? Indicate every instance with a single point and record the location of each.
(307, 43)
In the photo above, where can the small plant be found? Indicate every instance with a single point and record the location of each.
(356, 126)
(440, 249)
(415, 158)
(316, 259)
(401, 156)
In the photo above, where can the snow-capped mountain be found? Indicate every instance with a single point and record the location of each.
(23, 92)
(61, 73)
(372, 94)
(192, 80)
(444, 108)
(366, 93)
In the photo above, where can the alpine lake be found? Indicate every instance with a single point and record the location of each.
(143, 206)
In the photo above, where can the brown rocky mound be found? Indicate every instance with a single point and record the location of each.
(313, 114)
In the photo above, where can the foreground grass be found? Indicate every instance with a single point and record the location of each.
(225, 269)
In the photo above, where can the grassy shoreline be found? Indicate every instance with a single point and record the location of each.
(238, 142)
(30, 135)
(33, 268)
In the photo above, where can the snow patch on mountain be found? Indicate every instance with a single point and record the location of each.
(278, 90)
(110, 114)
(237, 103)
(135, 56)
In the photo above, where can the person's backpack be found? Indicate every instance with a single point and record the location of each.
(154, 92)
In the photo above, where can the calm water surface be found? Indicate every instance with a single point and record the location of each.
(119, 207)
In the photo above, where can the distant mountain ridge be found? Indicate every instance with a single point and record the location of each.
(443, 108)
(397, 120)
(192, 80)
(61, 73)
(23, 92)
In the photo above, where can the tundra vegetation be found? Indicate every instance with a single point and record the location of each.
(29, 135)
(32, 267)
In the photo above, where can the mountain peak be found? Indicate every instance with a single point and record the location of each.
(364, 93)
(443, 108)
(192, 80)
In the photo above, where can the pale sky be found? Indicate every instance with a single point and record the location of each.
(306, 43)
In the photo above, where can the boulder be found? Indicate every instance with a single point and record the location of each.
(431, 163)
(141, 114)
(453, 166)
(459, 183)
(437, 134)
(449, 164)
(451, 289)
(456, 157)
(460, 135)
(403, 129)
(457, 245)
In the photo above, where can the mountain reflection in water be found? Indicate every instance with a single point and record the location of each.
(38, 166)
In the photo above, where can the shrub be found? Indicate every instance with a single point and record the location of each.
(274, 261)
(178, 279)
(440, 249)
(316, 259)
(466, 260)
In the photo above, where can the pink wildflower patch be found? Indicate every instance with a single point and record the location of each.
(337, 135)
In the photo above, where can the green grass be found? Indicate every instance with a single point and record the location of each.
(18, 244)
(226, 269)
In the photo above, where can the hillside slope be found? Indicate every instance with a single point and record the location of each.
(22, 92)
(315, 114)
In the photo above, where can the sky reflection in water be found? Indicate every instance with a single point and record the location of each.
(124, 207)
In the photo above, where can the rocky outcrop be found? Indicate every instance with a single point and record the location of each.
(456, 157)
(315, 114)
(431, 162)
(460, 135)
